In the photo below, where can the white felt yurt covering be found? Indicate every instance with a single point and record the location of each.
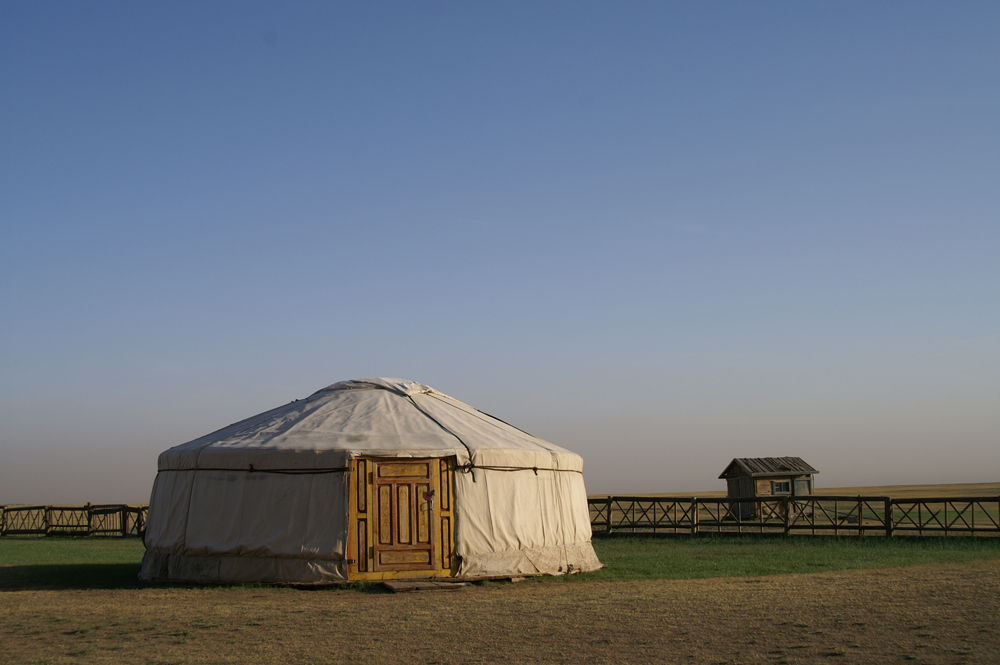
(267, 499)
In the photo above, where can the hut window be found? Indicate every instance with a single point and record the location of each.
(781, 487)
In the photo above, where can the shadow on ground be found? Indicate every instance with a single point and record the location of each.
(61, 577)
(70, 576)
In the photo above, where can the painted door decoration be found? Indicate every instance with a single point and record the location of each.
(402, 518)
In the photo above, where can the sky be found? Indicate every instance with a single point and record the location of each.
(662, 235)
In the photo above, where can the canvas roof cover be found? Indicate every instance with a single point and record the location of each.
(374, 417)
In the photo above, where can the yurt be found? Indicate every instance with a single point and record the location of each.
(370, 479)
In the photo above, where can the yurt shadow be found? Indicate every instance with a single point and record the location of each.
(80, 576)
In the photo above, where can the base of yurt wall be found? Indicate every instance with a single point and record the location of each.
(160, 566)
(206, 578)
(167, 567)
(552, 560)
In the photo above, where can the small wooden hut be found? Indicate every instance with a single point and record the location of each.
(757, 477)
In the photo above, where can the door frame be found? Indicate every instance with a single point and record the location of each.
(362, 519)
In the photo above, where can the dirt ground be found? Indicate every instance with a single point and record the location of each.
(926, 614)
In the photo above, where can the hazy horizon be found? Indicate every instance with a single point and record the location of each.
(660, 235)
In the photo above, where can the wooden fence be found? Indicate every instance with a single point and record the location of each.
(815, 515)
(89, 520)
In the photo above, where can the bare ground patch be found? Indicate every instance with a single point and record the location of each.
(925, 614)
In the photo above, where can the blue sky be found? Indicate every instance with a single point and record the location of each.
(661, 235)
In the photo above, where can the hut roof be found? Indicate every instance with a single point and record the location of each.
(766, 466)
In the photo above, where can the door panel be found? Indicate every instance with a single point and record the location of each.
(403, 469)
(402, 487)
(403, 514)
(402, 557)
(423, 516)
(385, 515)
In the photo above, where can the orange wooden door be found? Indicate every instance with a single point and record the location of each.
(403, 494)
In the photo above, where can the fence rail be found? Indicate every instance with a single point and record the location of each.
(89, 520)
(814, 515)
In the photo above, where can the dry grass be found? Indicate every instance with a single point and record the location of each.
(924, 614)
(917, 491)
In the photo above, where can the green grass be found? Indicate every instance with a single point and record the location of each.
(31, 562)
(637, 558)
(55, 550)
(113, 563)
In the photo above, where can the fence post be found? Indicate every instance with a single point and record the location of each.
(888, 517)
(861, 512)
(609, 514)
(788, 509)
(694, 515)
(90, 518)
(124, 520)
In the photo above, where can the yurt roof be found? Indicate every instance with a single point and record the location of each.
(376, 417)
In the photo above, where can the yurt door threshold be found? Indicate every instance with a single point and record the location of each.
(402, 517)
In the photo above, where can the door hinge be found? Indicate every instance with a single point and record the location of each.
(351, 561)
